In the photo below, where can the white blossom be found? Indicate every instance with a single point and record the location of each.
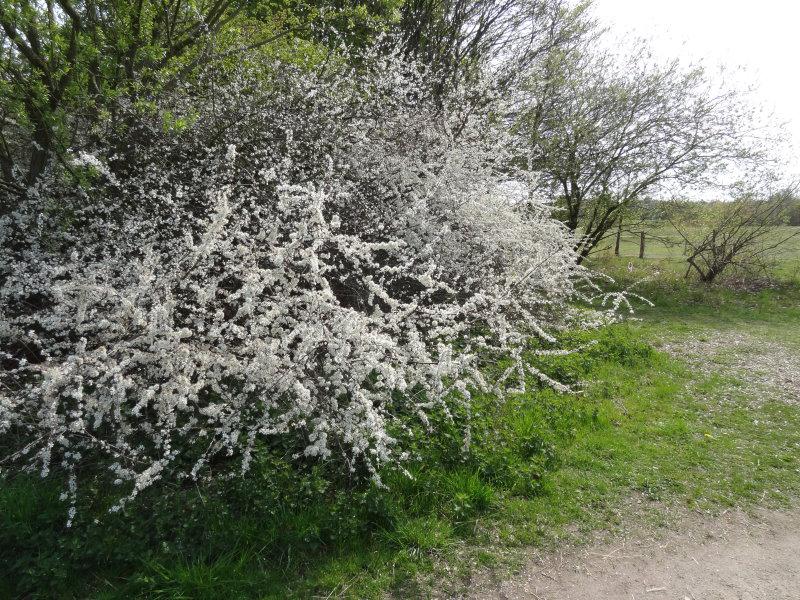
(320, 259)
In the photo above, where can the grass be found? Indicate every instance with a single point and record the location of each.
(649, 432)
(685, 308)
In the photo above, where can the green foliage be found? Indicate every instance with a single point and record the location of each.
(64, 65)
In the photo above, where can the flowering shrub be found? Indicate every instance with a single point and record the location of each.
(320, 257)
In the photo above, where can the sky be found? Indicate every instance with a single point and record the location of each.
(758, 42)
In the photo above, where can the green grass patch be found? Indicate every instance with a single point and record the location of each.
(687, 307)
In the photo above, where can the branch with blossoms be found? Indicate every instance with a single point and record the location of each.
(284, 267)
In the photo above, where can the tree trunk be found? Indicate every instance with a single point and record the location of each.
(641, 245)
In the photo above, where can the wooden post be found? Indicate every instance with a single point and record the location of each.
(619, 235)
(641, 245)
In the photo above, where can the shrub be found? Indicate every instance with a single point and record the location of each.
(314, 262)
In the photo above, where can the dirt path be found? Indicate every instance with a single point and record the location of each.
(730, 557)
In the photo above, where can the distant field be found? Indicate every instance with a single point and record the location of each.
(663, 245)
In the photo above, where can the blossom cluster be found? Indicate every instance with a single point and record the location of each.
(321, 256)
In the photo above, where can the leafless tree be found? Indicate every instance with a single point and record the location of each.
(457, 38)
(743, 234)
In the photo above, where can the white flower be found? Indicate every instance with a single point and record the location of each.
(299, 299)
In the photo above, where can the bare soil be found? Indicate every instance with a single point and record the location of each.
(766, 368)
(731, 557)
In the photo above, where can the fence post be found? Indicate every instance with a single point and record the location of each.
(641, 245)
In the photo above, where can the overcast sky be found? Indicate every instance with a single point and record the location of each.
(763, 37)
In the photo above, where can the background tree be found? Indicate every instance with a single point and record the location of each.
(604, 130)
(794, 213)
(458, 38)
(64, 64)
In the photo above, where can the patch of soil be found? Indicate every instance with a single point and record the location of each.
(750, 284)
(764, 367)
(734, 556)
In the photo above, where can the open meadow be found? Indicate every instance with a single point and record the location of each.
(664, 246)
